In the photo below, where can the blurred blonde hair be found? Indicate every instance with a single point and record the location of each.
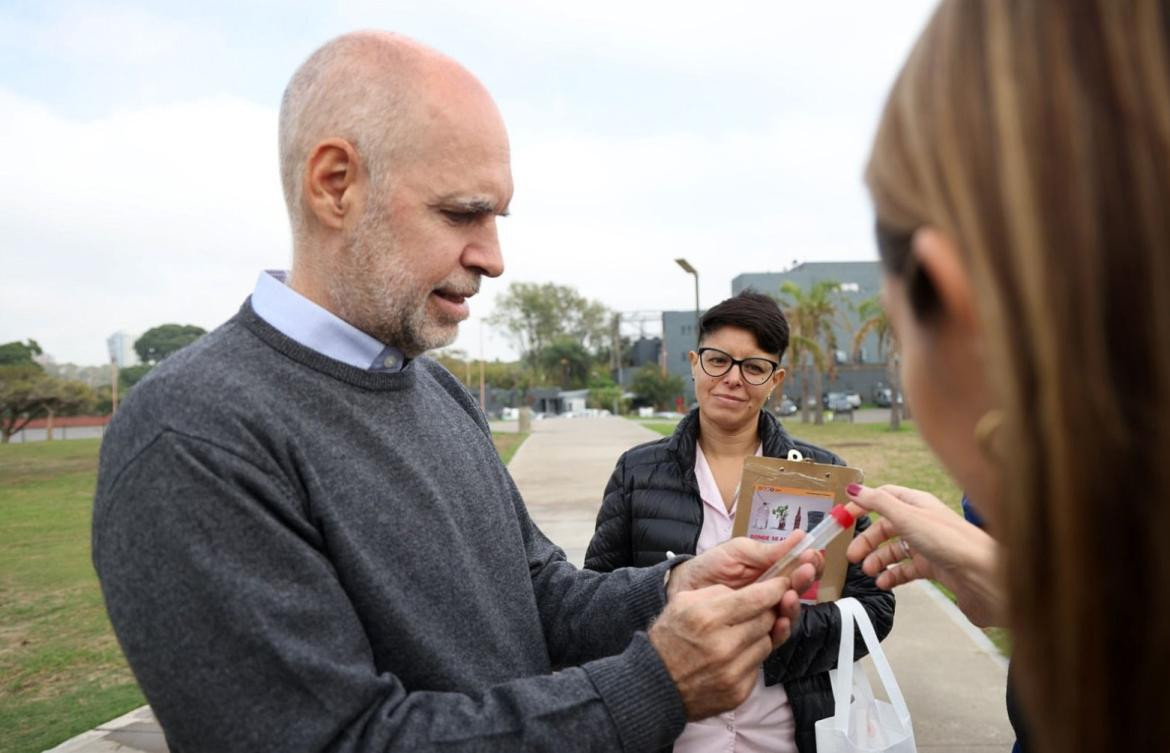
(1037, 135)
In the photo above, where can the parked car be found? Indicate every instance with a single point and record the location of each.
(838, 402)
(884, 396)
(786, 407)
(853, 398)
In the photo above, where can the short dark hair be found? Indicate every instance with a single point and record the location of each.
(755, 312)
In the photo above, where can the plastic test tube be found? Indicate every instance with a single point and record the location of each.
(819, 537)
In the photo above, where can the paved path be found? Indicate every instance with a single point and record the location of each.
(951, 676)
(562, 469)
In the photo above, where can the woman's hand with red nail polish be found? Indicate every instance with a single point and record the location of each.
(917, 536)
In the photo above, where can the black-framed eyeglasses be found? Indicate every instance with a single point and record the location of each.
(755, 371)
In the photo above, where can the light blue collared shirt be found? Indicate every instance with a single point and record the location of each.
(319, 329)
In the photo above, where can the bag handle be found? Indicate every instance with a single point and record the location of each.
(852, 611)
(843, 688)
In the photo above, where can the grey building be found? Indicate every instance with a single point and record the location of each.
(121, 348)
(680, 335)
(859, 281)
(640, 352)
(645, 350)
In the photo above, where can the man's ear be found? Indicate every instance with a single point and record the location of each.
(940, 280)
(334, 182)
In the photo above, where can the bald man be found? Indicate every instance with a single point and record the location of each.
(278, 522)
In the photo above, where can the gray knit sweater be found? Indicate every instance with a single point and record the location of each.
(298, 555)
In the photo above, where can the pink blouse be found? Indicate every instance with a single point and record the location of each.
(763, 723)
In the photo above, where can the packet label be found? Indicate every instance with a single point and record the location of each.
(779, 496)
(777, 511)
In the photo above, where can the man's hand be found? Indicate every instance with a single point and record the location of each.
(734, 563)
(713, 639)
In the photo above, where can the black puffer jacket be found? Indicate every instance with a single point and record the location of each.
(652, 506)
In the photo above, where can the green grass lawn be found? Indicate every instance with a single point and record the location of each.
(886, 457)
(665, 428)
(61, 671)
(507, 442)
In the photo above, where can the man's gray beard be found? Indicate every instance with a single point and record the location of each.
(372, 291)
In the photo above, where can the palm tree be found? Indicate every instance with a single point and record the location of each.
(812, 340)
(805, 354)
(874, 319)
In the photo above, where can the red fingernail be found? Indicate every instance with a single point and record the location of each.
(853, 490)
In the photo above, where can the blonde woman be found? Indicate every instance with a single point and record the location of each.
(1021, 181)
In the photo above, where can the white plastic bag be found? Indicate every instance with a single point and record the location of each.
(863, 724)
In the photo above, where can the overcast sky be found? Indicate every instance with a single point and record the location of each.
(140, 186)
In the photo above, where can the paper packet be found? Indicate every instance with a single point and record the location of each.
(778, 496)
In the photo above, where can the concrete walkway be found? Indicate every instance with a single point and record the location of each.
(951, 676)
(562, 470)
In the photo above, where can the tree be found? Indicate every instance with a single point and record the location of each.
(17, 352)
(159, 342)
(812, 341)
(566, 362)
(103, 400)
(535, 315)
(874, 319)
(132, 375)
(62, 397)
(27, 393)
(19, 400)
(507, 375)
(654, 387)
(605, 393)
(504, 375)
(806, 354)
(94, 376)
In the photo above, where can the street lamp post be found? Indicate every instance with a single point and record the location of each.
(686, 267)
(482, 383)
(114, 373)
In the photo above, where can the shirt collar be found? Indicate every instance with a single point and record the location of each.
(319, 329)
(709, 488)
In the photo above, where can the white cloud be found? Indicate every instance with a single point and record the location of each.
(142, 217)
(784, 38)
(111, 33)
(730, 134)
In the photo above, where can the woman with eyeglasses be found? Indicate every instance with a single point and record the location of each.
(678, 495)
